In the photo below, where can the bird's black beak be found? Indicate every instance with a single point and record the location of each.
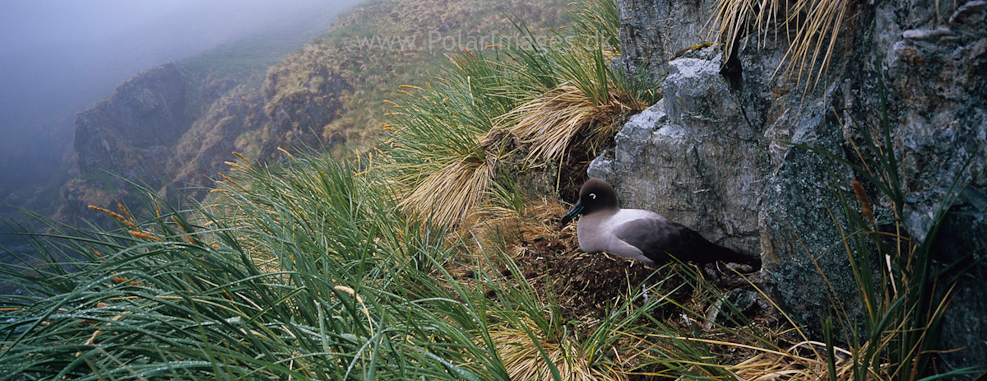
(576, 209)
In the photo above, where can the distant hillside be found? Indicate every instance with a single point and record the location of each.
(36, 154)
(384, 44)
(173, 128)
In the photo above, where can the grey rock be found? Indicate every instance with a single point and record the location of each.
(297, 119)
(145, 112)
(155, 131)
(970, 13)
(718, 159)
(652, 31)
(927, 34)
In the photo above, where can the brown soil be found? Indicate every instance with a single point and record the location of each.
(572, 172)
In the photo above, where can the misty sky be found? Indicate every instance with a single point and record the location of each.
(58, 57)
(58, 51)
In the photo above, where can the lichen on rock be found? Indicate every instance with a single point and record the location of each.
(720, 159)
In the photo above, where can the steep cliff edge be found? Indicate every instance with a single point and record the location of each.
(301, 98)
(155, 131)
(713, 153)
(333, 90)
(126, 132)
(201, 154)
(128, 137)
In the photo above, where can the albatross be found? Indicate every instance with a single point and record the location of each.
(640, 234)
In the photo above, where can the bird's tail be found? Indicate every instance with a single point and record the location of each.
(727, 255)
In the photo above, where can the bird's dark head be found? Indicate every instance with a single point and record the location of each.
(595, 195)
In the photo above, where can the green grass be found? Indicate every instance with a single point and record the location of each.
(308, 276)
(306, 270)
(315, 268)
(457, 132)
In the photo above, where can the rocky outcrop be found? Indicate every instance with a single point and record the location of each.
(714, 154)
(174, 136)
(676, 147)
(299, 104)
(129, 133)
(202, 153)
(127, 138)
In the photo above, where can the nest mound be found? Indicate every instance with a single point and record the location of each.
(584, 284)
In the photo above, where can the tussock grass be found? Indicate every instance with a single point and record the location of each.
(599, 20)
(439, 151)
(310, 270)
(733, 20)
(811, 27)
(303, 270)
(191, 300)
(452, 138)
(552, 123)
(824, 20)
(314, 268)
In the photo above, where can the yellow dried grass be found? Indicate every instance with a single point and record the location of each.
(524, 361)
(736, 18)
(452, 193)
(814, 21)
(823, 18)
(791, 365)
(549, 124)
(802, 361)
(124, 220)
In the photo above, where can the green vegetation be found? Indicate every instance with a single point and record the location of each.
(537, 99)
(308, 278)
(308, 270)
(321, 268)
(385, 43)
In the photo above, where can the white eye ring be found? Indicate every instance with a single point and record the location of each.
(592, 195)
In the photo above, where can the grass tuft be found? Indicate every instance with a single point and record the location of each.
(300, 271)
(452, 138)
(816, 26)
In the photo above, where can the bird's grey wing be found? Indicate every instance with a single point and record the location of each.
(657, 238)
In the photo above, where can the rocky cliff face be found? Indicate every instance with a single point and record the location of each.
(300, 100)
(201, 154)
(128, 133)
(128, 137)
(156, 131)
(713, 155)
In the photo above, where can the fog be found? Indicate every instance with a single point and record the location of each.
(58, 57)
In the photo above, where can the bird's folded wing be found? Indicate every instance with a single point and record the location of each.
(657, 238)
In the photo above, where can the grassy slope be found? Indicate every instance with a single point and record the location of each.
(363, 291)
(246, 60)
(381, 45)
(242, 69)
(375, 47)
